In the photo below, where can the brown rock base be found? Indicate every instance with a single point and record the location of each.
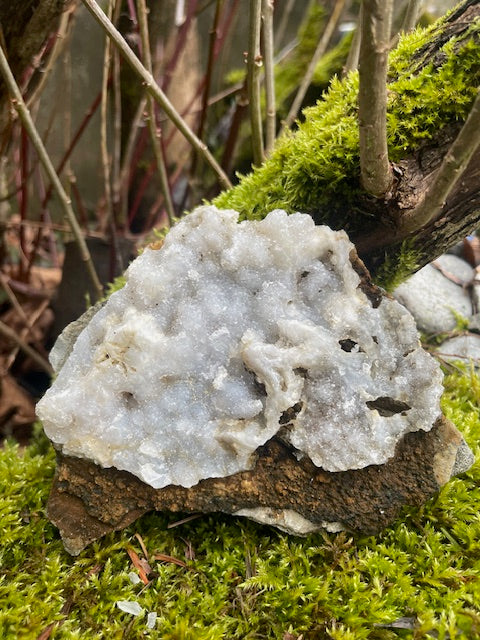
(87, 501)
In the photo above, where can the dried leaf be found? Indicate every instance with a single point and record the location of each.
(184, 520)
(142, 544)
(142, 566)
(164, 558)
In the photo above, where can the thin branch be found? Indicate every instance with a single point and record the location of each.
(319, 52)
(241, 105)
(411, 15)
(28, 322)
(353, 55)
(376, 173)
(61, 39)
(26, 348)
(451, 169)
(29, 125)
(280, 33)
(78, 134)
(154, 90)
(125, 173)
(181, 40)
(34, 316)
(155, 132)
(117, 130)
(107, 183)
(195, 167)
(271, 110)
(210, 62)
(254, 65)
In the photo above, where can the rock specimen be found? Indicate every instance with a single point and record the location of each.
(250, 368)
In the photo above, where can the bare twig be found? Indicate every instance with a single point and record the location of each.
(206, 83)
(240, 109)
(376, 173)
(26, 348)
(23, 197)
(78, 134)
(319, 52)
(411, 15)
(282, 27)
(107, 184)
(27, 321)
(211, 60)
(117, 131)
(61, 39)
(352, 59)
(67, 113)
(181, 41)
(34, 316)
(154, 90)
(254, 65)
(155, 132)
(270, 112)
(451, 169)
(125, 173)
(34, 136)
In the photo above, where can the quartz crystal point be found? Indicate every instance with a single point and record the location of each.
(231, 336)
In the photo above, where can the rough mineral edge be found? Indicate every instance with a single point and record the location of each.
(288, 520)
(225, 334)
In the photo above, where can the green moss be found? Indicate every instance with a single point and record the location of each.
(316, 168)
(118, 283)
(246, 580)
(395, 271)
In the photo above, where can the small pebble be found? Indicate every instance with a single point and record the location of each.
(130, 607)
(151, 619)
(133, 577)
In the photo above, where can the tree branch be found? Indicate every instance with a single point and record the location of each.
(411, 15)
(154, 90)
(353, 55)
(319, 51)
(271, 112)
(376, 174)
(451, 169)
(254, 65)
(44, 158)
(155, 132)
(8, 333)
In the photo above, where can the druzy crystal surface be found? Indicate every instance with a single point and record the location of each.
(233, 333)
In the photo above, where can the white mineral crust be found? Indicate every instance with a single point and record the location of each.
(189, 368)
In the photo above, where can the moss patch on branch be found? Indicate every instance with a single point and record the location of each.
(244, 580)
(316, 168)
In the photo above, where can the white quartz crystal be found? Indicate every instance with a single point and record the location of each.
(195, 363)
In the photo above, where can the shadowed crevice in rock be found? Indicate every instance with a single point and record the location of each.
(387, 407)
(86, 501)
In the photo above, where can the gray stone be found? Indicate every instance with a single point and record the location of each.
(465, 347)
(432, 298)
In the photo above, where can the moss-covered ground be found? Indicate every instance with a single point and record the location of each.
(245, 580)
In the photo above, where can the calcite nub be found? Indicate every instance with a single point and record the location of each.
(233, 333)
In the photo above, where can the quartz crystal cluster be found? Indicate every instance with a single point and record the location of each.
(233, 333)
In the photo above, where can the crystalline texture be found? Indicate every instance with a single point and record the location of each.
(233, 333)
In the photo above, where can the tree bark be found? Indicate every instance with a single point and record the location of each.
(460, 214)
(25, 26)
